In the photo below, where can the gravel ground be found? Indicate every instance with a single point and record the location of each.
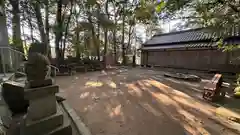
(139, 102)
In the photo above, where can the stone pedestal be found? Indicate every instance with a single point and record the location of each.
(44, 116)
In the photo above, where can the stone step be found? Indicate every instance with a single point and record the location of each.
(45, 125)
(65, 129)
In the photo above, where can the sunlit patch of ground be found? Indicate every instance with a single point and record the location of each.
(93, 84)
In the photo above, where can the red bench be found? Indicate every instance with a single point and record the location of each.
(212, 90)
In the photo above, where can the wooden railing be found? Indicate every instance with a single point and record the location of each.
(12, 61)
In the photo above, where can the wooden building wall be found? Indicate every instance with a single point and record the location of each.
(199, 59)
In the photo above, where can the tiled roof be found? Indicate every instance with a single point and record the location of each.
(188, 36)
(181, 36)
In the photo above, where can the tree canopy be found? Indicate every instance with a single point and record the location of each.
(96, 28)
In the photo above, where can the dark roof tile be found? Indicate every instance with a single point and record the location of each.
(193, 35)
(184, 36)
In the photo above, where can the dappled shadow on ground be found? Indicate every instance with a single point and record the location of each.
(177, 105)
(196, 89)
(139, 102)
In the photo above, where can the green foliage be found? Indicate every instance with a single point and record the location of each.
(85, 25)
(160, 6)
(227, 47)
(231, 47)
(104, 21)
(143, 14)
(10, 40)
(91, 2)
(131, 22)
(145, 11)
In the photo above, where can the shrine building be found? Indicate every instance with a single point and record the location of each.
(196, 49)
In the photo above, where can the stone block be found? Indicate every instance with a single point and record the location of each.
(40, 83)
(42, 107)
(40, 92)
(13, 94)
(60, 98)
(42, 126)
(64, 129)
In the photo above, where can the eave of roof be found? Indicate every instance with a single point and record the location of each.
(177, 32)
(175, 46)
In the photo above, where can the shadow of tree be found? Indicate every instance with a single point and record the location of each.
(196, 92)
(197, 110)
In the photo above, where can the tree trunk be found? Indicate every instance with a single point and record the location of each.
(77, 45)
(27, 15)
(93, 33)
(43, 36)
(47, 28)
(29, 19)
(130, 31)
(66, 29)
(134, 60)
(5, 59)
(98, 36)
(16, 25)
(58, 31)
(106, 37)
(98, 44)
(115, 46)
(123, 38)
(105, 47)
(114, 35)
(24, 40)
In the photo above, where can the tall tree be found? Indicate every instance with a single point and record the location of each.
(106, 34)
(123, 33)
(66, 31)
(58, 31)
(3, 25)
(16, 25)
(38, 14)
(98, 34)
(47, 27)
(114, 31)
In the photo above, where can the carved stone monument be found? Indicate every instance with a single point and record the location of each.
(43, 116)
